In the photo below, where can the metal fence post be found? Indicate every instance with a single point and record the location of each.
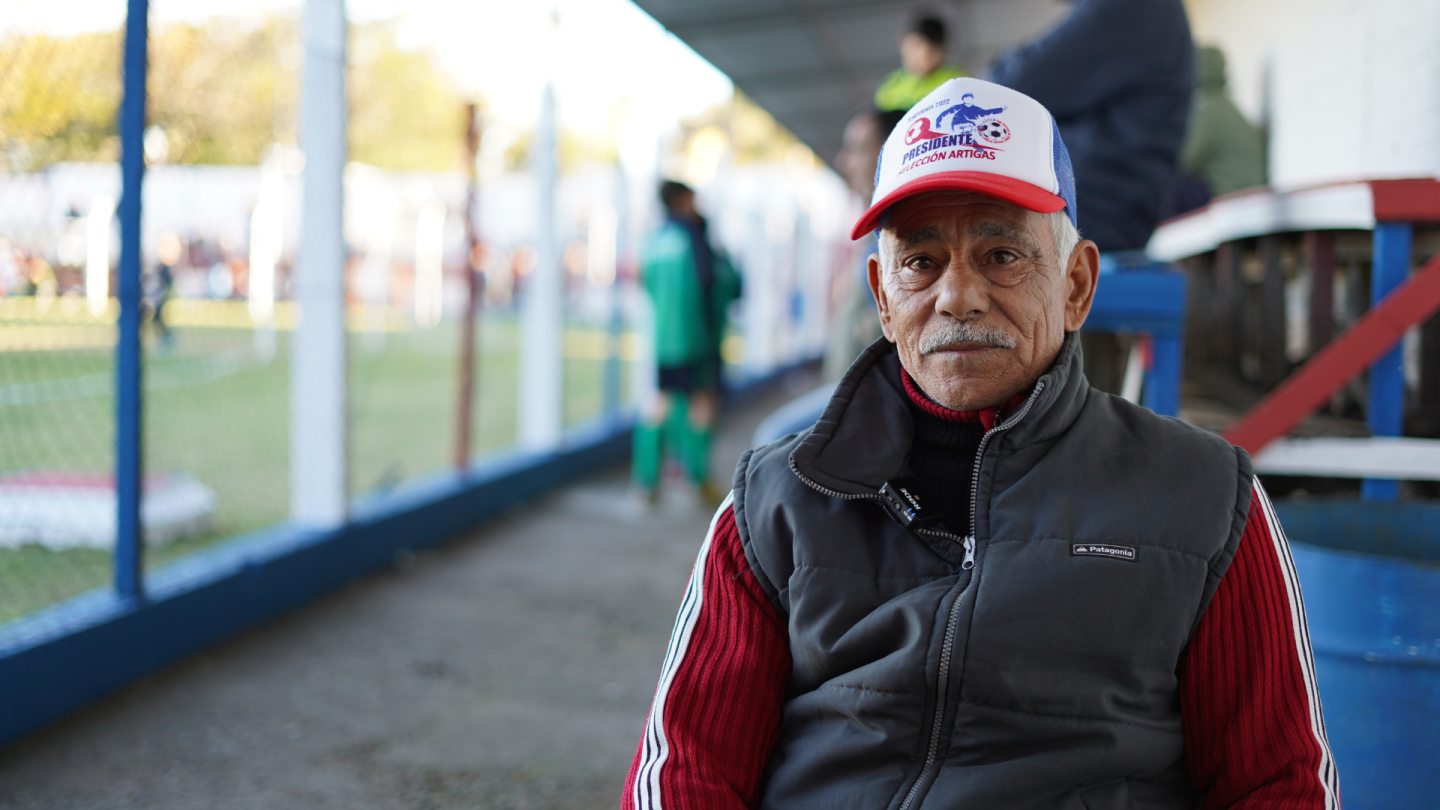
(542, 305)
(318, 418)
(129, 538)
(1385, 409)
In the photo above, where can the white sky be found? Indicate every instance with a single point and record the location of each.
(604, 50)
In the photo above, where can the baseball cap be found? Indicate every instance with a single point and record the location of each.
(972, 135)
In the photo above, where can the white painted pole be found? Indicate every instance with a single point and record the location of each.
(541, 308)
(429, 264)
(97, 254)
(267, 224)
(317, 368)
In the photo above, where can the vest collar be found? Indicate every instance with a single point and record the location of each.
(863, 437)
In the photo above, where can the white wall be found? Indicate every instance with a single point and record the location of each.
(1351, 88)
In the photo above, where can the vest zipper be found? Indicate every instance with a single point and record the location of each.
(823, 490)
(947, 649)
(967, 542)
(980, 452)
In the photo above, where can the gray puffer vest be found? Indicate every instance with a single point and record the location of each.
(1029, 665)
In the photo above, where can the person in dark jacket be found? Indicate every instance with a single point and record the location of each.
(1117, 75)
(976, 581)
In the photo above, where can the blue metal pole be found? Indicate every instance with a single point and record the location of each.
(128, 465)
(1162, 382)
(1390, 267)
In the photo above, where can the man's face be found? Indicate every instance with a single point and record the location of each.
(919, 55)
(859, 151)
(684, 205)
(973, 296)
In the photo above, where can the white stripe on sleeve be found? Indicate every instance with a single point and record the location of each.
(655, 748)
(1329, 780)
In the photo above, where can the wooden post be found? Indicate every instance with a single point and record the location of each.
(1320, 262)
(473, 290)
(1428, 405)
(1225, 322)
(1273, 366)
(1204, 344)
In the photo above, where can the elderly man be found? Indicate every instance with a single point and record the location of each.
(977, 582)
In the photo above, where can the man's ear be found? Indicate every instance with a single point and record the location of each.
(877, 288)
(1080, 279)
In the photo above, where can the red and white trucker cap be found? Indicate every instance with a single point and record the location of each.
(972, 135)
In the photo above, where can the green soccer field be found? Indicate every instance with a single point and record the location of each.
(216, 406)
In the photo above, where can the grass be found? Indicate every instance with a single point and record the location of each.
(217, 406)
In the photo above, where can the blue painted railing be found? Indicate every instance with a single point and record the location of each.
(1137, 295)
(57, 659)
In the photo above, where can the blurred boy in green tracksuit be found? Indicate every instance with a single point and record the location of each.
(691, 286)
(922, 66)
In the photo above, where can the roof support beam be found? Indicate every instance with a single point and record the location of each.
(726, 19)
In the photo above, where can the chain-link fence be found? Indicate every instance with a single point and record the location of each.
(220, 235)
(57, 332)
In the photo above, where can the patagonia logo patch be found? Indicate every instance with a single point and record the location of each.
(1102, 550)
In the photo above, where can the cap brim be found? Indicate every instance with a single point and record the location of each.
(1009, 189)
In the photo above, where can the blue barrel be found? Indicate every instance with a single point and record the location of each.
(1370, 574)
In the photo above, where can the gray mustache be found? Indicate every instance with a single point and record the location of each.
(951, 332)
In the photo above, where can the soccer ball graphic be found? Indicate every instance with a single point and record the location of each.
(993, 130)
(917, 130)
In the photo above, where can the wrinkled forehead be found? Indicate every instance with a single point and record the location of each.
(955, 213)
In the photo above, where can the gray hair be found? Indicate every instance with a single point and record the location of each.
(1062, 230)
(1066, 235)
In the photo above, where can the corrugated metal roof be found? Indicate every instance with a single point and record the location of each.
(812, 63)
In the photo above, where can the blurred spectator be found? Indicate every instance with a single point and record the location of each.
(42, 280)
(1223, 150)
(922, 66)
(161, 285)
(1118, 77)
(691, 287)
(856, 324)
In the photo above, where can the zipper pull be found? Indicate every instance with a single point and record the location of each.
(969, 553)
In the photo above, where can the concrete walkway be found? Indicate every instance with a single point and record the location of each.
(512, 668)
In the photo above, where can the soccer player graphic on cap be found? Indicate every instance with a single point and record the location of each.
(966, 114)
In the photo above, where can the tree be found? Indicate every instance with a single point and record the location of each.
(404, 114)
(58, 99)
(222, 91)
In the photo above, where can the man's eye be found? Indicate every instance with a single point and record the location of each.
(1003, 257)
(920, 263)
